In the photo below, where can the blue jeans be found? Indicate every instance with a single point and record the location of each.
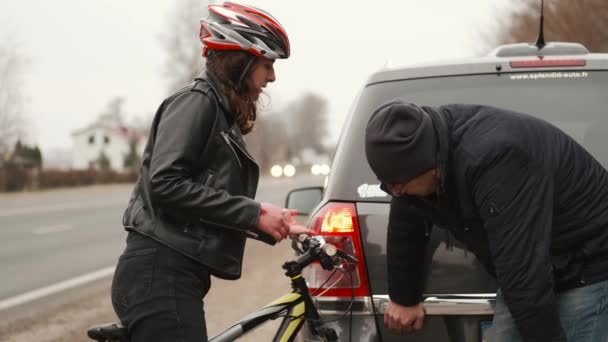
(583, 312)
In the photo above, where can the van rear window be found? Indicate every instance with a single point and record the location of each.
(574, 101)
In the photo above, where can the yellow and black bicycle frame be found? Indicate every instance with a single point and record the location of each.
(294, 307)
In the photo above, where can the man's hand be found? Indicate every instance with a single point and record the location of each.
(404, 319)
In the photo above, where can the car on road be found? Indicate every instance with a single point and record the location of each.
(562, 83)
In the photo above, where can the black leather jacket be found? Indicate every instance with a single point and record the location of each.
(197, 181)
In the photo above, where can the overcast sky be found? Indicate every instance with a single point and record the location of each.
(84, 53)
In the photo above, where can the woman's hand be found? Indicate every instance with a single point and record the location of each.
(274, 221)
(295, 228)
(279, 222)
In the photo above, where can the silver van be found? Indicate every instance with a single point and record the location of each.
(561, 82)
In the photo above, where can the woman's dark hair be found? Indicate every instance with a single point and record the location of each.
(228, 67)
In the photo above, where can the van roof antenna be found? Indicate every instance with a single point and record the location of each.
(540, 42)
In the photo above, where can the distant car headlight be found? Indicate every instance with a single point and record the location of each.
(289, 170)
(276, 171)
(324, 169)
(315, 170)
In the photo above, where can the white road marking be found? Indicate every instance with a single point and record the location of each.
(58, 287)
(59, 207)
(53, 229)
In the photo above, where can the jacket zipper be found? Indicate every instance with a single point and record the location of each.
(207, 183)
(244, 151)
(209, 178)
(248, 232)
(240, 148)
(228, 141)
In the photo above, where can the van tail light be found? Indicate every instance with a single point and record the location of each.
(337, 223)
(548, 63)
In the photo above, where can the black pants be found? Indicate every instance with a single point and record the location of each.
(157, 293)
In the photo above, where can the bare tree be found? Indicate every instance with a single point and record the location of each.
(582, 21)
(115, 111)
(12, 122)
(184, 60)
(132, 159)
(281, 136)
(268, 141)
(142, 123)
(307, 123)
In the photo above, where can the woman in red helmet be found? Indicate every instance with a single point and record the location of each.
(192, 208)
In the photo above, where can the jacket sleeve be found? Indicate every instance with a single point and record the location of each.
(182, 133)
(515, 199)
(406, 242)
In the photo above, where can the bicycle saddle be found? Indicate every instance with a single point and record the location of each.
(113, 332)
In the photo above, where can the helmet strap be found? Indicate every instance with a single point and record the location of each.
(239, 85)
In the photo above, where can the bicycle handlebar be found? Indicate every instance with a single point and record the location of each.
(314, 248)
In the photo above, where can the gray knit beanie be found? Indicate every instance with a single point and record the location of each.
(400, 142)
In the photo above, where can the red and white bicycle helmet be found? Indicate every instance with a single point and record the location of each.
(238, 27)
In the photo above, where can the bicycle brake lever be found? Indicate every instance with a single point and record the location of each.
(295, 245)
(342, 254)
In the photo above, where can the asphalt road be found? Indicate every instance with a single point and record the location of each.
(52, 242)
(52, 236)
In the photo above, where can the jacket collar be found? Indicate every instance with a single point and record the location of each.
(443, 132)
(216, 87)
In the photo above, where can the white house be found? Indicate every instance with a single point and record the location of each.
(108, 135)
